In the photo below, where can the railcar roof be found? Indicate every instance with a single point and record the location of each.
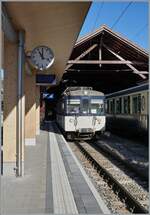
(82, 91)
(129, 90)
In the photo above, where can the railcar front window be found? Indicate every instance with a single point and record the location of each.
(97, 106)
(73, 106)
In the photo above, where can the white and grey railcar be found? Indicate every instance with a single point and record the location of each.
(127, 111)
(80, 112)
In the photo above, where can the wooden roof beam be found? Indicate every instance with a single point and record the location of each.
(103, 62)
(128, 64)
(83, 54)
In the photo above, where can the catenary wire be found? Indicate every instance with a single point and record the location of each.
(122, 13)
(98, 14)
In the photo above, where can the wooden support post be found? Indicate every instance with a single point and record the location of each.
(100, 50)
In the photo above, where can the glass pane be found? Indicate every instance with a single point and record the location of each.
(73, 106)
(120, 102)
(128, 104)
(135, 104)
(125, 104)
(85, 106)
(108, 111)
(118, 106)
(139, 103)
(97, 106)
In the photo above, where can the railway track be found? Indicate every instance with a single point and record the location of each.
(136, 174)
(120, 151)
(134, 198)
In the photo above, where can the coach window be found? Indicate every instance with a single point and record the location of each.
(112, 106)
(107, 107)
(129, 104)
(118, 106)
(143, 103)
(135, 104)
(139, 103)
(125, 99)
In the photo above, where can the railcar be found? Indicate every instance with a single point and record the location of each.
(80, 112)
(127, 111)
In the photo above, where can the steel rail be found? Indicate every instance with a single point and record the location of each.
(131, 203)
(139, 174)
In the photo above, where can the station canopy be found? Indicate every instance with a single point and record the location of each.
(106, 61)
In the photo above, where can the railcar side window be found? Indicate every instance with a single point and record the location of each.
(126, 100)
(135, 104)
(107, 108)
(120, 103)
(73, 106)
(143, 103)
(112, 106)
(139, 103)
(118, 106)
(128, 104)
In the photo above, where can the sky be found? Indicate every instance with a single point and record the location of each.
(133, 23)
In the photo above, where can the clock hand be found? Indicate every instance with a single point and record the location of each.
(41, 54)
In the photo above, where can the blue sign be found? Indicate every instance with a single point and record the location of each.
(48, 96)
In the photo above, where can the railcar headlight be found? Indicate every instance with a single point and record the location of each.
(99, 121)
(71, 120)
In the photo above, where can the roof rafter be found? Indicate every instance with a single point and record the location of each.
(83, 54)
(128, 64)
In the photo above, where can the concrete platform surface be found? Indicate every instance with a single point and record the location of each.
(54, 181)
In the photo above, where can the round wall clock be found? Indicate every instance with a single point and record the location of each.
(42, 57)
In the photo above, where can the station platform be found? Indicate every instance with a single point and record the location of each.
(54, 181)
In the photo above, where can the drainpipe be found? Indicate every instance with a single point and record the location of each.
(20, 107)
(13, 36)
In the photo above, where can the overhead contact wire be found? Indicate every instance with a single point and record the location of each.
(98, 14)
(122, 13)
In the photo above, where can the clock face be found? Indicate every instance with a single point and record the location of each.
(42, 57)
